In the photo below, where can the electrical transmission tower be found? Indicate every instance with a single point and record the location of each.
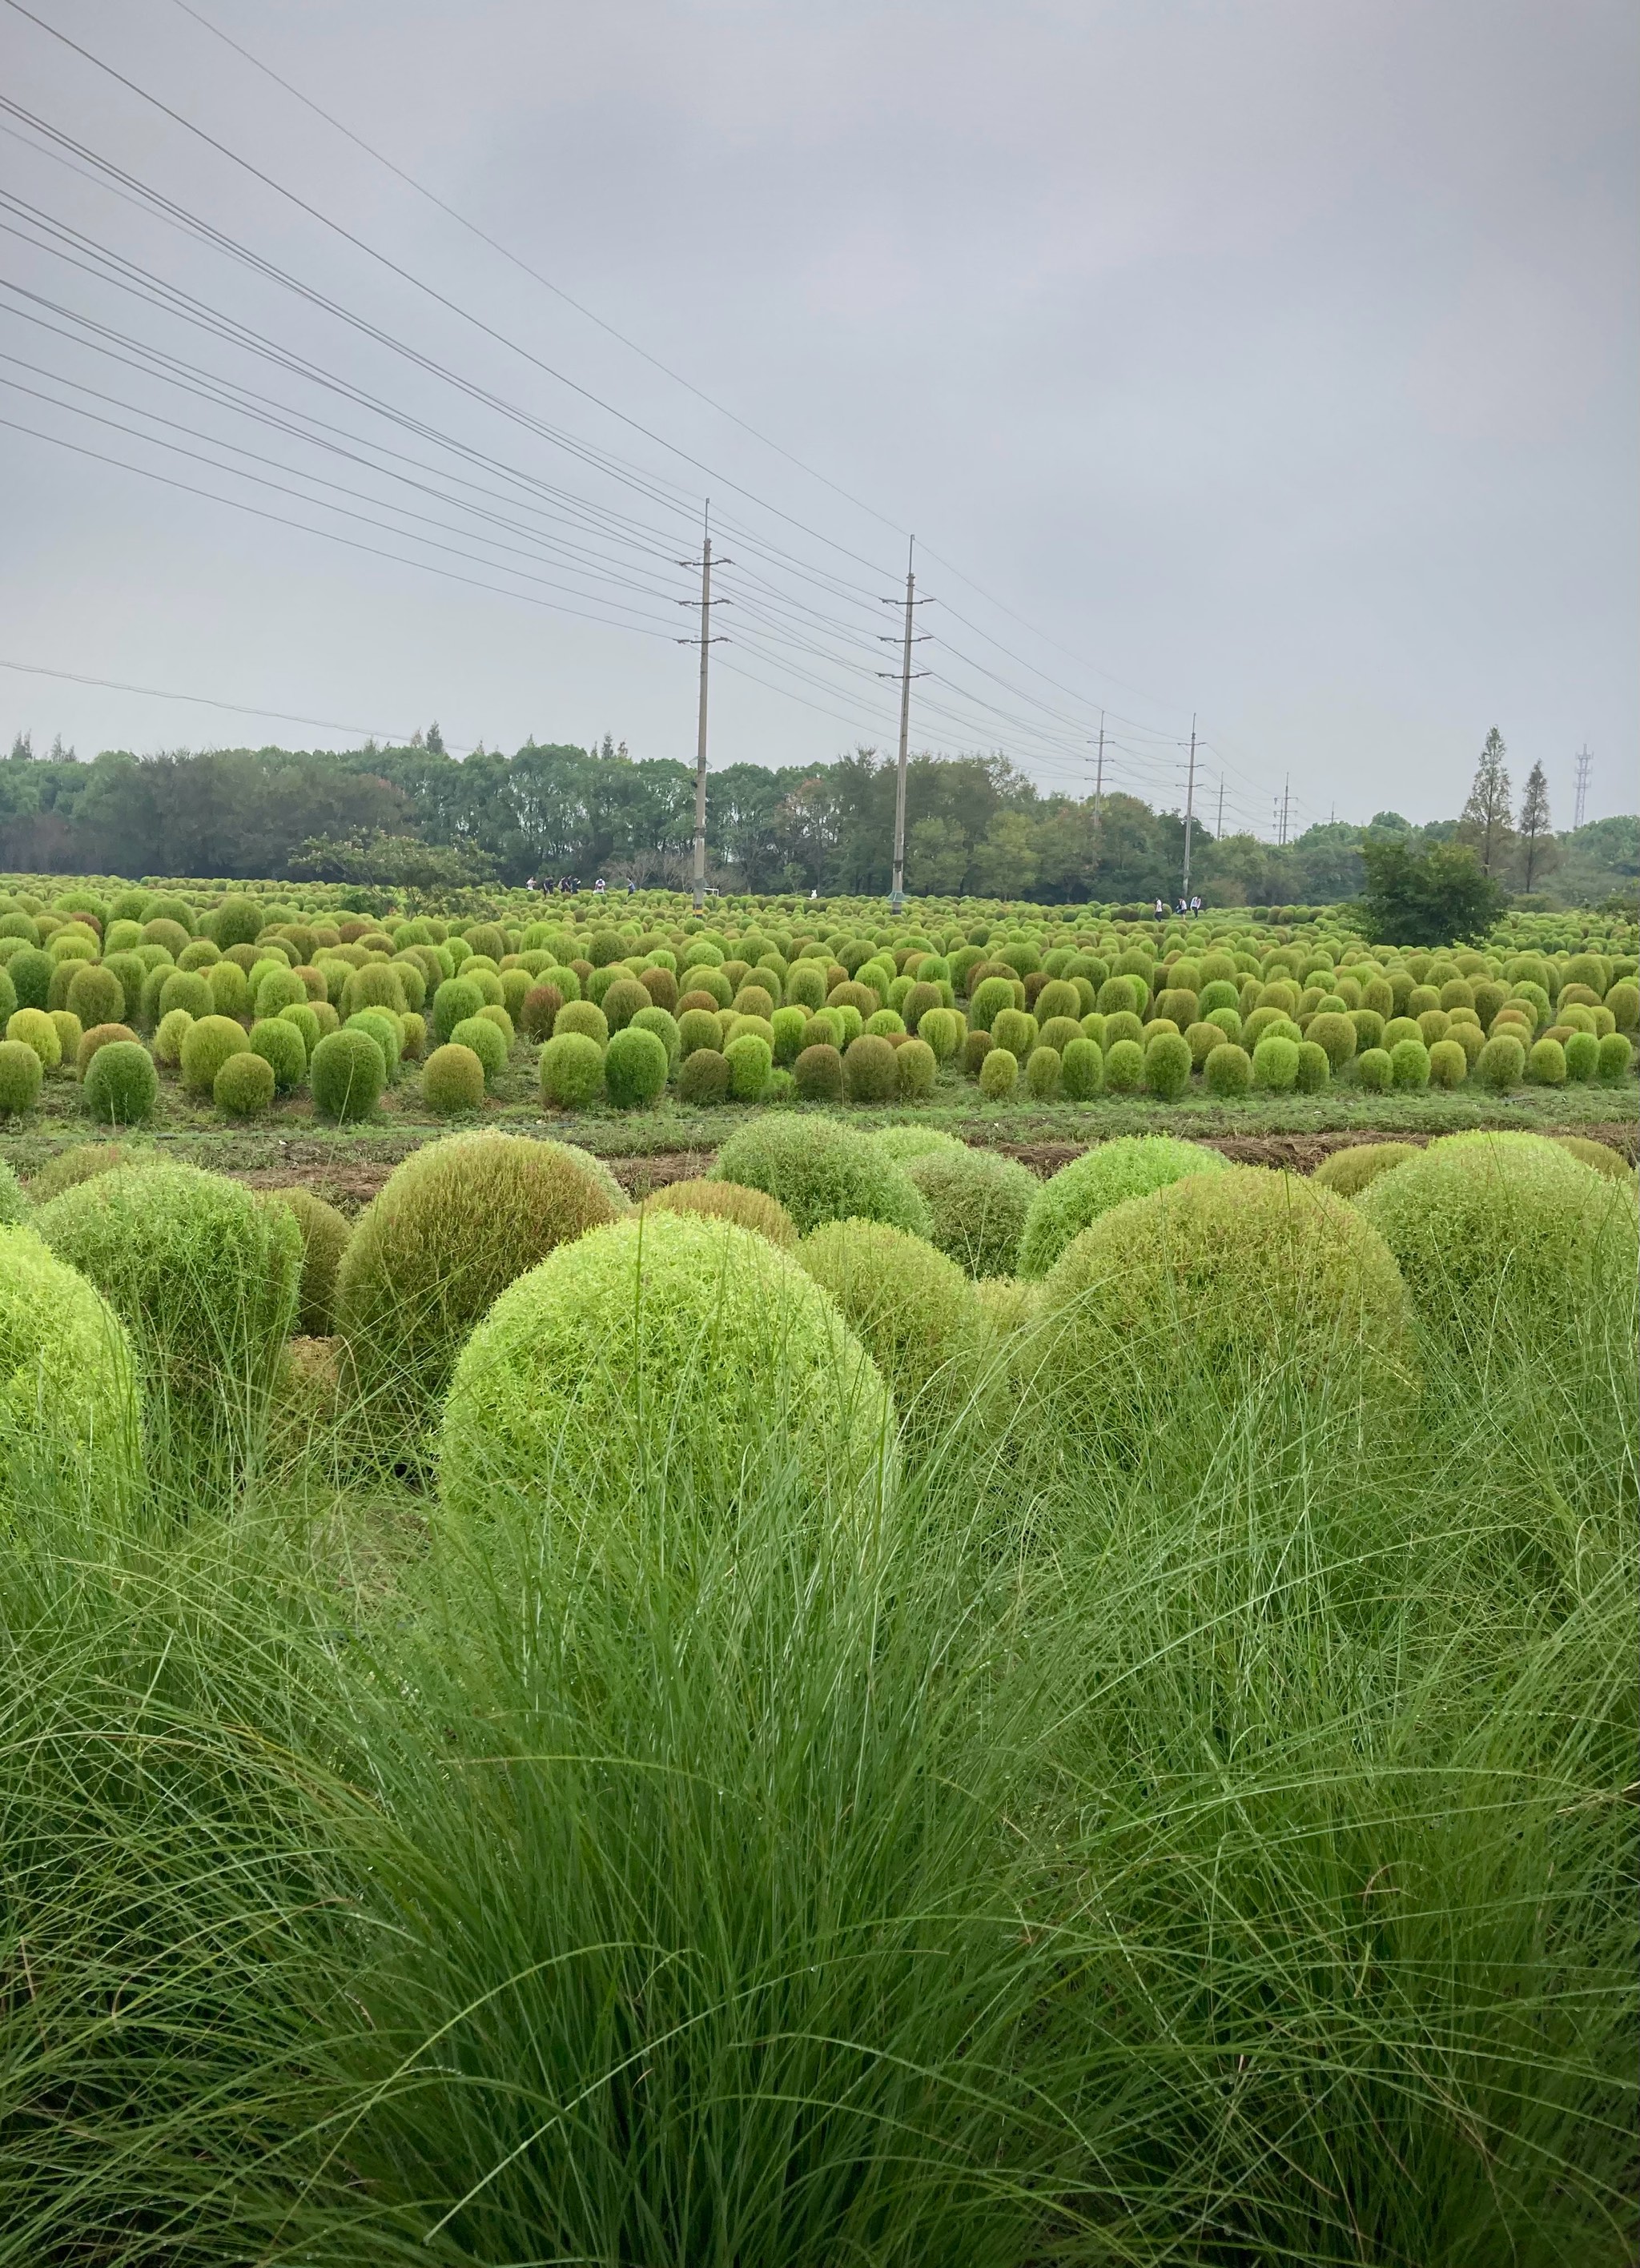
(905, 672)
(1190, 808)
(705, 642)
(1287, 805)
(1586, 765)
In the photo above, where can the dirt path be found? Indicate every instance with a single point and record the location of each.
(349, 1184)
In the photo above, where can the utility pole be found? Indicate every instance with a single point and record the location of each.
(706, 643)
(1586, 764)
(1286, 798)
(904, 673)
(1218, 824)
(1190, 806)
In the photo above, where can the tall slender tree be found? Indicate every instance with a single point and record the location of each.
(1485, 822)
(1537, 840)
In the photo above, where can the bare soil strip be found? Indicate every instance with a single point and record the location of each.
(349, 1184)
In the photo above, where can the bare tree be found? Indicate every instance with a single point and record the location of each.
(1485, 821)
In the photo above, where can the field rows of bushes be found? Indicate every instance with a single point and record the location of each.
(869, 1707)
(243, 1000)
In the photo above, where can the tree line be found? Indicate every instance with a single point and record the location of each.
(414, 816)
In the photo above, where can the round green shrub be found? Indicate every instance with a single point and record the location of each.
(1546, 1064)
(1106, 1175)
(452, 1226)
(1314, 1070)
(1583, 1055)
(32, 1028)
(283, 988)
(95, 996)
(1227, 1070)
(121, 1085)
(943, 1030)
(206, 1046)
(1015, 1029)
(583, 1018)
(453, 1080)
(388, 1032)
(1615, 1059)
(977, 1204)
(1506, 1234)
(184, 988)
(683, 1352)
(868, 1070)
(1124, 1066)
(1600, 1155)
(378, 984)
(750, 1062)
(999, 1075)
(1348, 1172)
(1081, 1069)
(1449, 1064)
(346, 1076)
(174, 1028)
(244, 1085)
(697, 1027)
(1044, 1072)
(456, 998)
(572, 1071)
(703, 1077)
(281, 1046)
(1276, 1063)
(481, 1037)
(916, 1070)
(29, 973)
(1409, 1063)
(622, 1002)
(100, 1035)
(1223, 1280)
(822, 1171)
(203, 1276)
(70, 1416)
(1167, 1066)
(1336, 1034)
(325, 1233)
(915, 1313)
(817, 1074)
(1501, 1061)
(751, 1209)
(788, 1025)
(976, 1048)
(989, 998)
(230, 993)
(635, 1065)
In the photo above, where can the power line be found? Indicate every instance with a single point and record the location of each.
(207, 700)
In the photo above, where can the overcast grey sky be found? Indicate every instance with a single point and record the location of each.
(1274, 361)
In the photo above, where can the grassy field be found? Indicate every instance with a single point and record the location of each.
(1216, 1850)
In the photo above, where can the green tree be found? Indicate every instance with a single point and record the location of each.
(936, 857)
(1539, 850)
(1434, 897)
(1484, 823)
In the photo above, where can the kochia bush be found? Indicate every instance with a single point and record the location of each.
(1106, 1175)
(204, 1277)
(635, 1065)
(453, 1225)
(821, 1171)
(752, 1209)
(1221, 1279)
(669, 1352)
(346, 1075)
(70, 1423)
(978, 1202)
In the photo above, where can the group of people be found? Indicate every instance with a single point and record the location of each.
(567, 886)
(1187, 908)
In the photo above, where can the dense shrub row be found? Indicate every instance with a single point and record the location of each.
(249, 997)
